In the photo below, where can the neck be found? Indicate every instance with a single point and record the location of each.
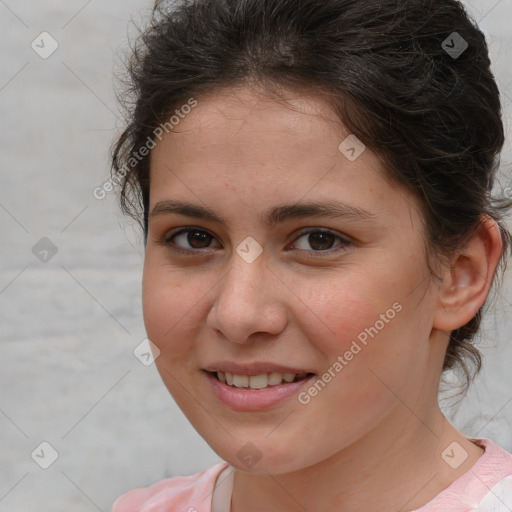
(397, 466)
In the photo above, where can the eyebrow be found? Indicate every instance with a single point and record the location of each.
(271, 217)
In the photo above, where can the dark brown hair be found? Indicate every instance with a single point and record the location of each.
(393, 71)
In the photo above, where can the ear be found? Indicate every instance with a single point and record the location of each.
(467, 283)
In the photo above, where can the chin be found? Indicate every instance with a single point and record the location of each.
(263, 456)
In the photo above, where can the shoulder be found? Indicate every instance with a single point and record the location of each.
(494, 475)
(191, 493)
(499, 498)
(486, 487)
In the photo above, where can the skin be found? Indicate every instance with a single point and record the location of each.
(372, 438)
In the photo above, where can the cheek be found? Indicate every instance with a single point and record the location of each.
(166, 303)
(370, 319)
(341, 309)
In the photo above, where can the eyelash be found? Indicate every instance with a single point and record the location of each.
(166, 241)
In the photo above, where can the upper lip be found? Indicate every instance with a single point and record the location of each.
(256, 368)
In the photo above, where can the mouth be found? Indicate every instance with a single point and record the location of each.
(261, 381)
(260, 392)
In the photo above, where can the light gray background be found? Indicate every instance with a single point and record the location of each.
(68, 375)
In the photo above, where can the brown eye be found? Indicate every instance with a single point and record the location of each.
(198, 239)
(190, 239)
(320, 241)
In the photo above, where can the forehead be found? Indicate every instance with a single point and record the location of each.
(239, 117)
(269, 152)
(236, 129)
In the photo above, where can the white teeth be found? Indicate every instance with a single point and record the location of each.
(241, 381)
(256, 381)
(275, 378)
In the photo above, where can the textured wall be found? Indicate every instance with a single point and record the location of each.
(69, 325)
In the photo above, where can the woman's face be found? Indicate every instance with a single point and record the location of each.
(344, 295)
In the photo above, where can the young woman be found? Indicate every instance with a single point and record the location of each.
(314, 181)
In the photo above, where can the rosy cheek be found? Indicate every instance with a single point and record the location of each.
(346, 316)
(159, 312)
(170, 307)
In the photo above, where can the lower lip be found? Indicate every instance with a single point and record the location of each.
(242, 399)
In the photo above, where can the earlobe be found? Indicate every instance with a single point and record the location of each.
(467, 283)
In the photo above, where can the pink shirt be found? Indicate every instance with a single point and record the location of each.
(486, 487)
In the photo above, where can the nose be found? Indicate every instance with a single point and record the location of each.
(248, 302)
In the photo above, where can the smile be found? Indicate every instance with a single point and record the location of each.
(261, 381)
(255, 392)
